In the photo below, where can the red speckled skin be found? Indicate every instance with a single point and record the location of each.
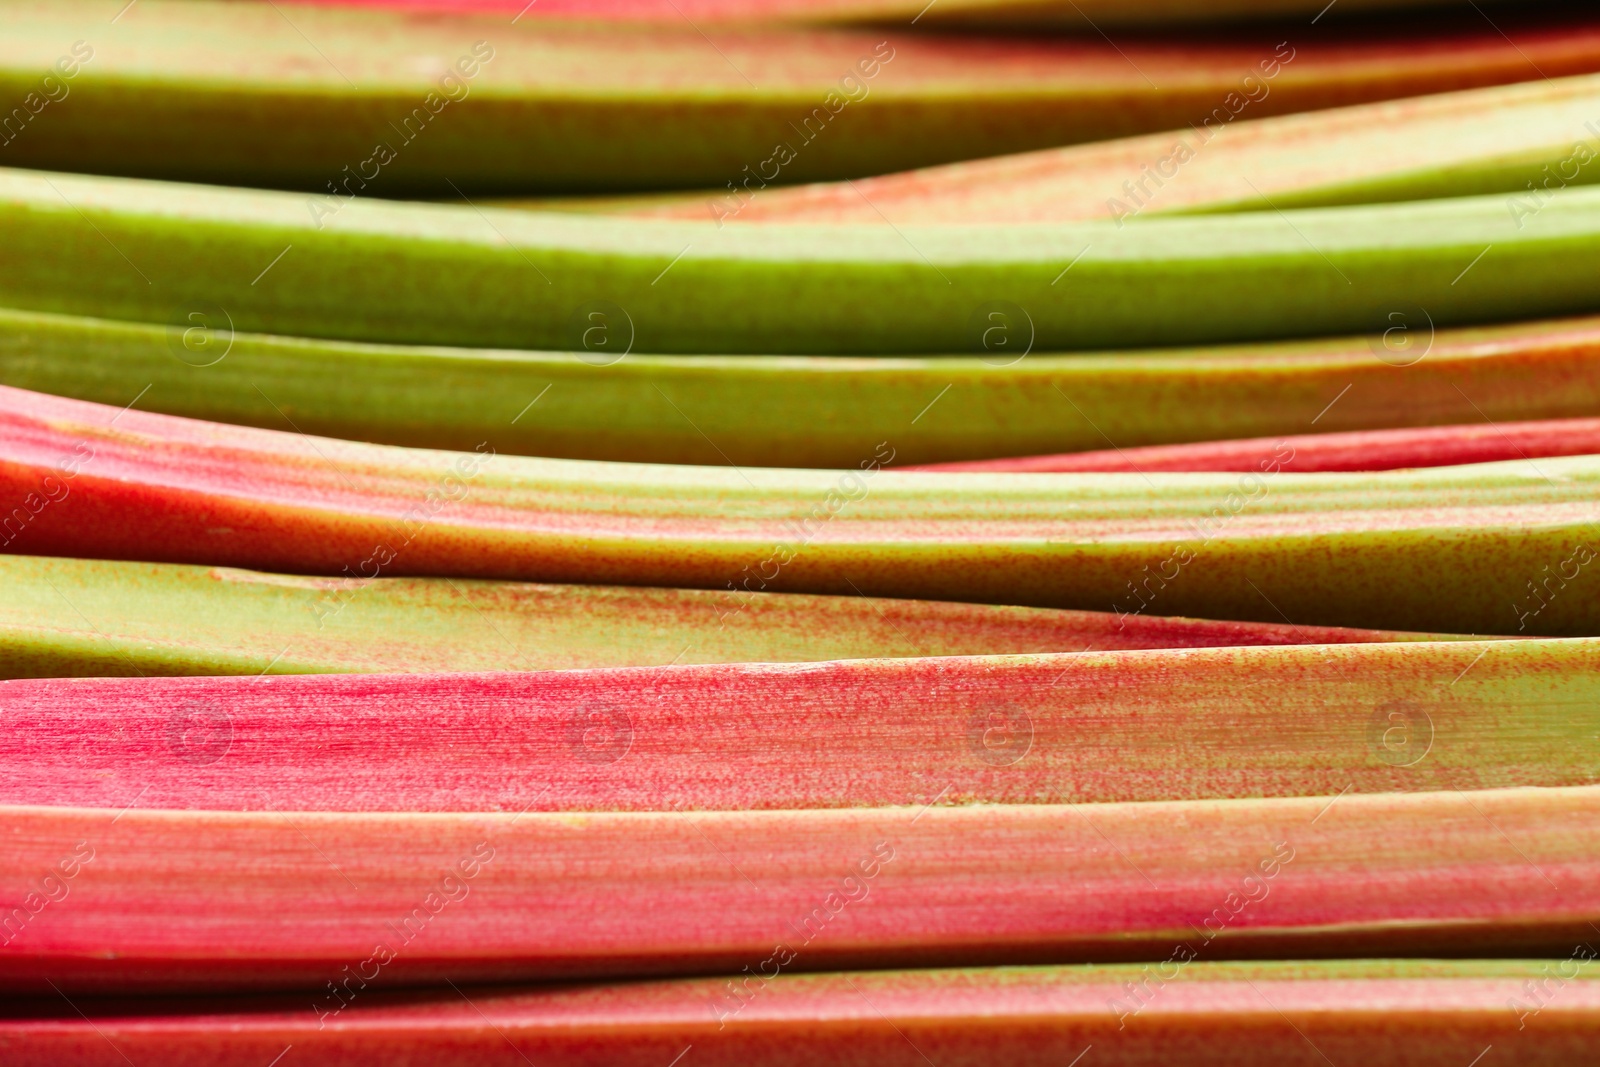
(217, 900)
(1362, 450)
(1372, 1013)
(1095, 727)
(1453, 550)
(168, 619)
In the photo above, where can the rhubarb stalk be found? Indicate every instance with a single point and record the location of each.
(1381, 1013)
(1529, 140)
(1092, 727)
(216, 900)
(72, 617)
(603, 286)
(973, 13)
(345, 103)
(811, 412)
(1484, 548)
(1365, 450)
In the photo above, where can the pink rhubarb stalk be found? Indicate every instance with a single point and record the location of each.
(1376, 1013)
(1490, 548)
(341, 902)
(1360, 450)
(1090, 727)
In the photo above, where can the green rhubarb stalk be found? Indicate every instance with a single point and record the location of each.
(808, 412)
(1484, 548)
(415, 273)
(1090, 727)
(389, 104)
(1531, 140)
(77, 617)
(1381, 1013)
(406, 898)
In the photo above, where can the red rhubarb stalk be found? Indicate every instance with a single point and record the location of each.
(1090, 727)
(216, 900)
(1379, 1013)
(1489, 548)
(1362, 450)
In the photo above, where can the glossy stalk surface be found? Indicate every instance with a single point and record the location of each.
(1092, 727)
(484, 277)
(1362, 450)
(1381, 1013)
(351, 101)
(78, 618)
(1482, 548)
(791, 411)
(207, 901)
(1529, 140)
